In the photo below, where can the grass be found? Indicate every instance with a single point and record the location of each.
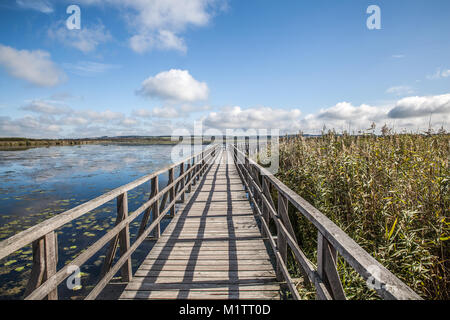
(389, 193)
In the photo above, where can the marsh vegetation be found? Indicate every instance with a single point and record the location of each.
(389, 193)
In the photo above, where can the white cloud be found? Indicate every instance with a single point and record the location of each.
(164, 40)
(174, 85)
(410, 114)
(32, 66)
(39, 5)
(102, 116)
(54, 119)
(167, 112)
(89, 68)
(164, 112)
(439, 74)
(412, 107)
(400, 90)
(346, 111)
(86, 39)
(46, 107)
(254, 118)
(398, 56)
(28, 126)
(157, 24)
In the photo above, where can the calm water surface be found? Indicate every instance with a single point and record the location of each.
(39, 183)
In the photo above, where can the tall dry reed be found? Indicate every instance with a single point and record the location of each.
(389, 193)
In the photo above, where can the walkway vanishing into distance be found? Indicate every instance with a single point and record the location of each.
(218, 244)
(212, 249)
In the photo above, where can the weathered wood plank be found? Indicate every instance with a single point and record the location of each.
(261, 295)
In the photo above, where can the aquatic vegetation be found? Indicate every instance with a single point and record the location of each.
(43, 182)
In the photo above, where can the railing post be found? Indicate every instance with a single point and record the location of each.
(45, 259)
(122, 239)
(194, 171)
(50, 261)
(235, 150)
(281, 240)
(37, 271)
(155, 207)
(202, 163)
(257, 144)
(265, 210)
(247, 149)
(189, 182)
(124, 236)
(171, 193)
(146, 216)
(326, 267)
(182, 182)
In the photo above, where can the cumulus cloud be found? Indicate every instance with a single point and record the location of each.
(86, 39)
(174, 85)
(157, 24)
(254, 118)
(39, 5)
(421, 106)
(35, 66)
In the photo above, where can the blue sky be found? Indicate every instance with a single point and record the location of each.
(149, 68)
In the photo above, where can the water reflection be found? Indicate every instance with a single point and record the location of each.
(39, 183)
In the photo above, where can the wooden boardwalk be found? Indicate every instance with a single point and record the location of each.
(212, 249)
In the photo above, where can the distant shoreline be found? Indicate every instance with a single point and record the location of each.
(15, 144)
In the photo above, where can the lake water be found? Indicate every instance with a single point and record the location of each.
(39, 183)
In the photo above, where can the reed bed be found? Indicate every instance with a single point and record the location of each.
(389, 193)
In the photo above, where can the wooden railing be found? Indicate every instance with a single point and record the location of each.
(331, 240)
(45, 277)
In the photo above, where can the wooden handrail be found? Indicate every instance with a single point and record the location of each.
(331, 239)
(45, 278)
